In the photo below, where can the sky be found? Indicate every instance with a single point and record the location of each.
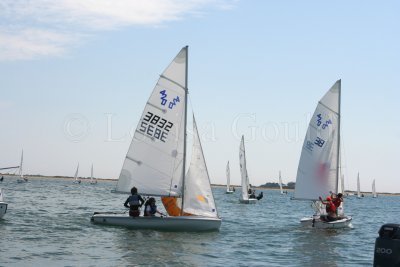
(75, 77)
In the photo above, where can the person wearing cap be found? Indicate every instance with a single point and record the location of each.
(330, 208)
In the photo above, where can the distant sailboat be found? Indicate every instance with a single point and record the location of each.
(280, 183)
(92, 180)
(374, 195)
(319, 166)
(342, 184)
(3, 205)
(156, 162)
(76, 180)
(21, 178)
(358, 186)
(246, 196)
(229, 190)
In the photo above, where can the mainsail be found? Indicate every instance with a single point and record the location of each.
(318, 170)
(280, 182)
(1, 195)
(20, 165)
(358, 185)
(155, 159)
(373, 189)
(342, 184)
(243, 171)
(76, 173)
(228, 177)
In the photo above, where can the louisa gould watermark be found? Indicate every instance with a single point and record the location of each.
(77, 127)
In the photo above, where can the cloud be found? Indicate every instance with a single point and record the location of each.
(36, 28)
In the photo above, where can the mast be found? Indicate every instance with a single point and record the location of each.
(184, 133)
(338, 142)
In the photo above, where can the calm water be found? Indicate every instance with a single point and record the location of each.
(48, 223)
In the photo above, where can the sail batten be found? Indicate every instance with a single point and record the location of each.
(317, 174)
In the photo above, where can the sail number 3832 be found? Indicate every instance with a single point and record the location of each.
(155, 126)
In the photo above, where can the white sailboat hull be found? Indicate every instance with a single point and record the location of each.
(24, 180)
(316, 222)
(181, 223)
(3, 209)
(229, 192)
(248, 201)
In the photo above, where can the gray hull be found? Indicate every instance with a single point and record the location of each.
(318, 223)
(180, 223)
(3, 209)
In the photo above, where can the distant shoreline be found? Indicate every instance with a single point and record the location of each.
(214, 185)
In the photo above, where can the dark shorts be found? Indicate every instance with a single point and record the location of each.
(134, 213)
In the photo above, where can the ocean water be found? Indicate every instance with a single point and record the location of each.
(48, 224)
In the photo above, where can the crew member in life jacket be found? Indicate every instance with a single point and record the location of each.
(337, 200)
(135, 201)
(150, 208)
(330, 209)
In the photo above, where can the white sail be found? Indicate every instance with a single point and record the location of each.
(21, 174)
(280, 182)
(154, 162)
(358, 185)
(76, 173)
(373, 189)
(342, 184)
(317, 174)
(198, 197)
(1, 195)
(243, 171)
(228, 177)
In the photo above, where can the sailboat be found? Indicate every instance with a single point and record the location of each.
(358, 186)
(3, 205)
(156, 162)
(21, 178)
(245, 196)
(229, 189)
(319, 166)
(76, 180)
(92, 180)
(374, 195)
(280, 183)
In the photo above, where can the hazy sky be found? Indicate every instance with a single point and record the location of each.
(75, 76)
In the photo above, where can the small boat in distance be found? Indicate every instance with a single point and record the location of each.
(3, 205)
(359, 195)
(76, 180)
(156, 162)
(229, 189)
(319, 166)
(374, 195)
(21, 178)
(247, 196)
(92, 180)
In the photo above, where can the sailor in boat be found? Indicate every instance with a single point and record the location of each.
(337, 201)
(330, 210)
(135, 201)
(260, 196)
(150, 208)
(252, 193)
(2, 178)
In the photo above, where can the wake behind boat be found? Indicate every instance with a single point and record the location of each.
(156, 161)
(319, 166)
